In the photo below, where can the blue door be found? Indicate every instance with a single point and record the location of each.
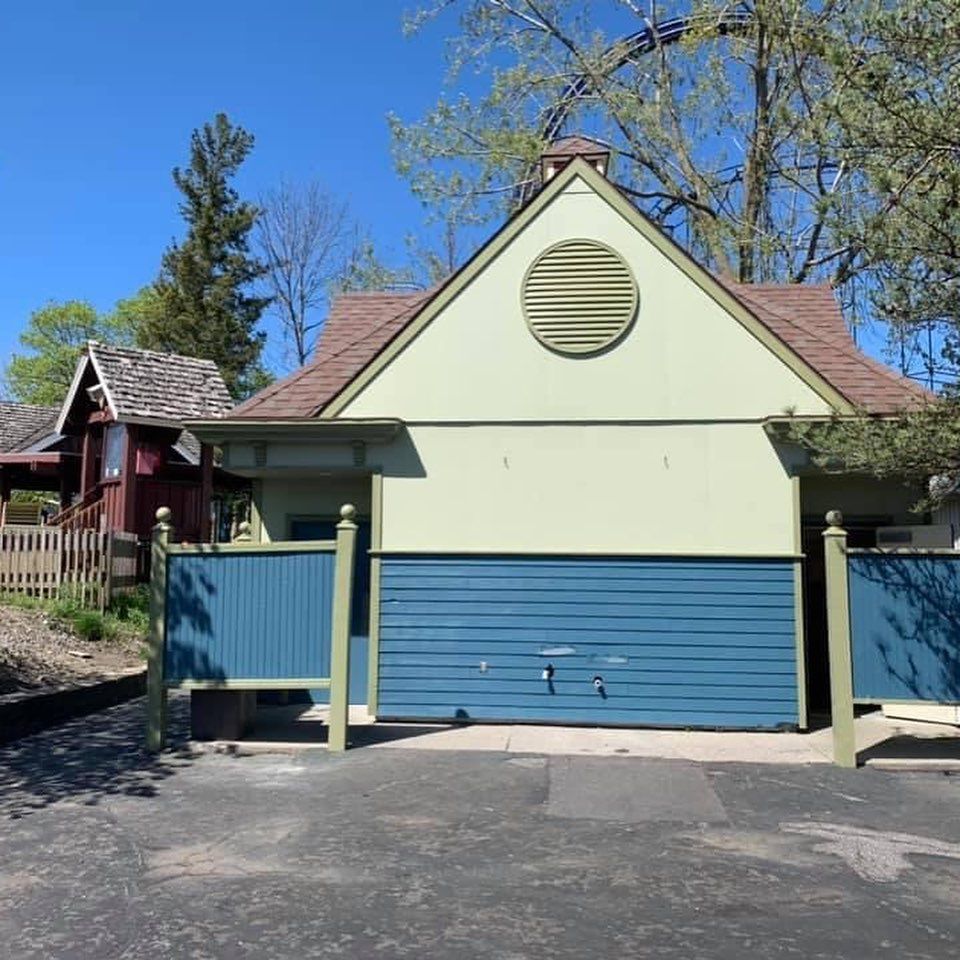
(310, 529)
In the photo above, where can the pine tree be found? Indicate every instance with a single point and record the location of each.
(206, 306)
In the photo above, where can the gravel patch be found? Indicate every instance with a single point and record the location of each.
(36, 652)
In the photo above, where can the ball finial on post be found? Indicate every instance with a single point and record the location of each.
(244, 532)
(164, 515)
(348, 512)
(834, 518)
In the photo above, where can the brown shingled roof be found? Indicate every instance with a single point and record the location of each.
(357, 328)
(166, 387)
(575, 146)
(806, 318)
(21, 422)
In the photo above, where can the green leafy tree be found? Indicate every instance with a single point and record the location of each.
(899, 118)
(777, 140)
(205, 304)
(724, 136)
(364, 270)
(137, 312)
(53, 340)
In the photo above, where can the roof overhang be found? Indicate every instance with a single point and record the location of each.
(779, 427)
(298, 430)
(34, 461)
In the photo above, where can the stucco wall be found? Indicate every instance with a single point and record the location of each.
(278, 499)
(685, 357)
(669, 488)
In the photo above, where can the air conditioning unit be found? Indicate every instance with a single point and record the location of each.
(930, 536)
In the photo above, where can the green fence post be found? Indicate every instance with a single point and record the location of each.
(156, 686)
(340, 640)
(838, 639)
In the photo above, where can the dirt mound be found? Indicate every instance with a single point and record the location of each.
(36, 651)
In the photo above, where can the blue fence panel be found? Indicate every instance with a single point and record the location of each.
(905, 626)
(264, 616)
(685, 642)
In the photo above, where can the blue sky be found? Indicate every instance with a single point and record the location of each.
(98, 98)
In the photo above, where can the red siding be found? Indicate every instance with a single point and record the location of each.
(183, 499)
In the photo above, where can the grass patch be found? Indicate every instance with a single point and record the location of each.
(127, 618)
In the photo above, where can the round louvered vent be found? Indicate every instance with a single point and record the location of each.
(579, 297)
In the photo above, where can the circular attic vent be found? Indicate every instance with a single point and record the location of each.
(579, 297)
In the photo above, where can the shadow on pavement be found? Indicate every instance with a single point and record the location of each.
(909, 747)
(304, 724)
(85, 760)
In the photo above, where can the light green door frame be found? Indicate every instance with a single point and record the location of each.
(376, 544)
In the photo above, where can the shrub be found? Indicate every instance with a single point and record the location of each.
(132, 609)
(93, 625)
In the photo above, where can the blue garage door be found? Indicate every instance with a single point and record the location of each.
(698, 642)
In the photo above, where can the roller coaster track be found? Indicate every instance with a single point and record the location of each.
(650, 38)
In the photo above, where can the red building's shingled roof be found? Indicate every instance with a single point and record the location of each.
(805, 317)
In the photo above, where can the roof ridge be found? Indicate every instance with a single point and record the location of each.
(381, 293)
(144, 351)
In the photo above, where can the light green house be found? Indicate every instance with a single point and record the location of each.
(567, 463)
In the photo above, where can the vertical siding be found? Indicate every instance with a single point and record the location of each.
(685, 642)
(249, 616)
(905, 626)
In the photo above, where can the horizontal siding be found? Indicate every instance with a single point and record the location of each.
(249, 616)
(698, 642)
(905, 626)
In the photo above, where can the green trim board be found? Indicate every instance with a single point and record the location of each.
(798, 602)
(673, 554)
(300, 683)
(578, 168)
(376, 542)
(275, 546)
(307, 429)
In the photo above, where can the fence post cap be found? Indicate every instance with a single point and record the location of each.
(244, 532)
(347, 512)
(164, 515)
(834, 520)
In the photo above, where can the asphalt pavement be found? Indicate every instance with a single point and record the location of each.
(108, 853)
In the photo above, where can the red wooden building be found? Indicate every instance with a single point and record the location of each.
(117, 449)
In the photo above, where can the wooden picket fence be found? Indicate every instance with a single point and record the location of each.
(90, 566)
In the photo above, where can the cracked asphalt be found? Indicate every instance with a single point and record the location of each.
(108, 853)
